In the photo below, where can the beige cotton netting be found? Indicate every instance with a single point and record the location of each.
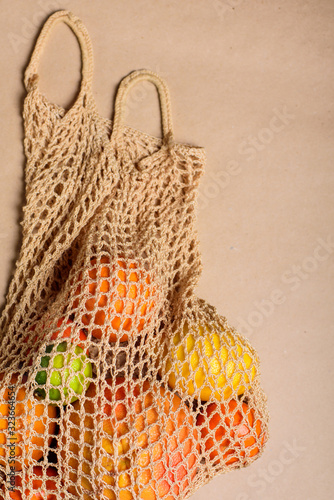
(116, 380)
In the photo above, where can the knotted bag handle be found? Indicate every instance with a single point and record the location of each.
(165, 106)
(31, 73)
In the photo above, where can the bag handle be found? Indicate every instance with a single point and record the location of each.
(31, 73)
(165, 106)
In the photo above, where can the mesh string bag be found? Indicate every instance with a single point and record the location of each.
(116, 380)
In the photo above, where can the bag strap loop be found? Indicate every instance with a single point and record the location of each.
(165, 106)
(31, 73)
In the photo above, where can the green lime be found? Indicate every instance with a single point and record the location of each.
(69, 374)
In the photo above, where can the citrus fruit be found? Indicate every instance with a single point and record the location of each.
(16, 414)
(70, 371)
(36, 490)
(163, 460)
(74, 334)
(204, 362)
(120, 300)
(232, 434)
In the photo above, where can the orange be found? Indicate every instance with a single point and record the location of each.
(232, 435)
(38, 492)
(68, 333)
(14, 421)
(121, 296)
(130, 425)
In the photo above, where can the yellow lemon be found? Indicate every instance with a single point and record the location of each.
(207, 362)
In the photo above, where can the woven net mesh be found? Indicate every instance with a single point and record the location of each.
(116, 380)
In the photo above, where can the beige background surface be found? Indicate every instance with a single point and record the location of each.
(251, 81)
